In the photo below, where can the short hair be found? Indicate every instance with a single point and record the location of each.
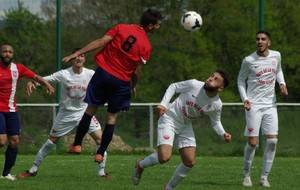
(264, 32)
(225, 76)
(150, 16)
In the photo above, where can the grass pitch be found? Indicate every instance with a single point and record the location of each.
(79, 172)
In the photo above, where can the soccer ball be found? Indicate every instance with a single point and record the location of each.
(191, 21)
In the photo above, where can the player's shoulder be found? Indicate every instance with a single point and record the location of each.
(251, 57)
(275, 53)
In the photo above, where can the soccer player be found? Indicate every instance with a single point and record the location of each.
(196, 99)
(261, 69)
(10, 73)
(123, 51)
(74, 81)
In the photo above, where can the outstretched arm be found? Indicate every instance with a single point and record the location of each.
(99, 43)
(43, 82)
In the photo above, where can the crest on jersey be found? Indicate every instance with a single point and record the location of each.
(15, 74)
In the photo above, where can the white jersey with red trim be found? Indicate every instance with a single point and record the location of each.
(73, 88)
(257, 77)
(193, 103)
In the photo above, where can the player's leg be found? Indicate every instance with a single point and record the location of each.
(187, 151)
(96, 133)
(165, 139)
(13, 131)
(253, 120)
(270, 130)
(111, 119)
(84, 124)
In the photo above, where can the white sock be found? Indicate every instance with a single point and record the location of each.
(150, 160)
(249, 153)
(41, 155)
(179, 174)
(101, 166)
(269, 156)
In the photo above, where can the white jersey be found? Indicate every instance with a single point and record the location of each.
(73, 88)
(193, 103)
(261, 74)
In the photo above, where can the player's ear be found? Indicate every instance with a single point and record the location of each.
(221, 88)
(269, 43)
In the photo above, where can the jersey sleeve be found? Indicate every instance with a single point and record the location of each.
(177, 87)
(279, 75)
(25, 72)
(241, 80)
(55, 77)
(215, 119)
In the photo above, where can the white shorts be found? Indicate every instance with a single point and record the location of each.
(169, 130)
(264, 118)
(66, 121)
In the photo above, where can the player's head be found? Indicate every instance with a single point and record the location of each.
(151, 20)
(7, 53)
(79, 60)
(217, 81)
(263, 41)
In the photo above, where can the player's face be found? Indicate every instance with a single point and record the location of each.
(7, 54)
(79, 60)
(153, 27)
(214, 83)
(262, 43)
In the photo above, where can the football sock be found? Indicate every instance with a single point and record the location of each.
(106, 138)
(82, 129)
(10, 159)
(179, 174)
(269, 156)
(249, 153)
(101, 166)
(150, 160)
(41, 155)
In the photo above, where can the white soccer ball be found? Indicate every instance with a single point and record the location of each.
(191, 21)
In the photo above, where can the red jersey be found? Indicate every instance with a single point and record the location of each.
(129, 47)
(8, 84)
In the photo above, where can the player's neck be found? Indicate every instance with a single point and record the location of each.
(263, 53)
(77, 70)
(211, 94)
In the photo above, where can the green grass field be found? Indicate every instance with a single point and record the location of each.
(79, 172)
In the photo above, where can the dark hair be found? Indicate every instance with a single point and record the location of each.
(75, 49)
(264, 32)
(150, 16)
(225, 76)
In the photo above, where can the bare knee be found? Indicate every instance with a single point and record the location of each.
(163, 159)
(189, 163)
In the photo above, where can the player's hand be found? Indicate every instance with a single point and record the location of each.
(227, 137)
(161, 110)
(30, 85)
(133, 90)
(283, 90)
(68, 58)
(50, 89)
(247, 105)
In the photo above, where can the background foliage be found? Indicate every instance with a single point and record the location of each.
(227, 36)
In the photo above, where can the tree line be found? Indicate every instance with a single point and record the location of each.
(226, 37)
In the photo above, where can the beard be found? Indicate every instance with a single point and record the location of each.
(210, 89)
(6, 62)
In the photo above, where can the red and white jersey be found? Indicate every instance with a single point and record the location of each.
(130, 46)
(193, 103)
(73, 88)
(9, 77)
(260, 74)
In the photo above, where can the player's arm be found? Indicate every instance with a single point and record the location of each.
(55, 77)
(96, 44)
(135, 78)
(43, 82)
(241, 81)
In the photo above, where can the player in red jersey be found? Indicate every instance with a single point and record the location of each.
(123, 51)
(10, 73)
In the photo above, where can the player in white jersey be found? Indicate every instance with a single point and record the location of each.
(196, 99)
(256, 83)
(74, 81)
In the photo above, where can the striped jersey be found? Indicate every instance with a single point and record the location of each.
(9, 77)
